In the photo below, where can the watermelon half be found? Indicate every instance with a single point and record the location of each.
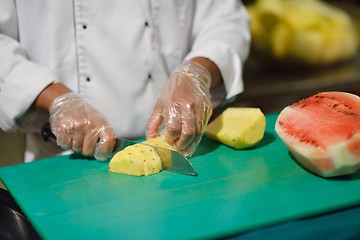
(323, 133)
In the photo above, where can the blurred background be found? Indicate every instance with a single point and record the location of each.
(299, 48)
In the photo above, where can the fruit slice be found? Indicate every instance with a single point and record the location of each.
(164, 155)
(323, 132)
(137, 160)
(238, 127)
(142, 159)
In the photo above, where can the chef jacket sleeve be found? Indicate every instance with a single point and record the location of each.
(221, 33)
(21, 80)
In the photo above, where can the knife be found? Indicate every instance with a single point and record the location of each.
(178, 164)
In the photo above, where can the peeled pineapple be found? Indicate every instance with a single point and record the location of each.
(164, 155)
(142, 159)
(137, 160)
(238, 127)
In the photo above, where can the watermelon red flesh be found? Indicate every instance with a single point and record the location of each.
(325, 114)
(315, 129)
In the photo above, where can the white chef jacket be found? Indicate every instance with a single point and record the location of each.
(117, 55)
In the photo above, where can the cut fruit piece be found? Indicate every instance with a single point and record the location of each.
(238, 127)
(323, 133)
(137, 160)
(164, 154)
(142, 159)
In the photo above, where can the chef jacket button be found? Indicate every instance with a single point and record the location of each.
(146, 23)
(149, 76)
(88, 79)
(84, 26)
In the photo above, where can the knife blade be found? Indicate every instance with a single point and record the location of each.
(178, 163)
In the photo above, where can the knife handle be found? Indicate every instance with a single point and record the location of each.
(46, 132)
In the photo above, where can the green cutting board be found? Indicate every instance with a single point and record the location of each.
(67, 197)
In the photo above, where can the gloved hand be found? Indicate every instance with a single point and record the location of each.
(183, 108)
(80, 127)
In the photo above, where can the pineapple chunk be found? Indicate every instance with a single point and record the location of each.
(164, 155)
(142, 159)
(137, 160)
(238, 127)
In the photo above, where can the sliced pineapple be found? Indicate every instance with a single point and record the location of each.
(238, 127)
(142, 159)
(164, 154)
(137, 160)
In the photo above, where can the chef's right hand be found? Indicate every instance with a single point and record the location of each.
(80, 127)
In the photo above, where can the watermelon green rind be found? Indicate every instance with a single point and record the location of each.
(323, 132)
(338, 162)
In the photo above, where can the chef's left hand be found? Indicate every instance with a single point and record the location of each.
(184, 107)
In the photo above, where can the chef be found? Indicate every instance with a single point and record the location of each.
(100, 69)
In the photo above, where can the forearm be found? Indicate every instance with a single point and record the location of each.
(216, 78)
(48, 95)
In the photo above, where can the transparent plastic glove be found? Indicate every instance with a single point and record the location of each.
(183, 108)
(78, 126)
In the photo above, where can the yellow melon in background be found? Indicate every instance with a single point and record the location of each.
(310, 32)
